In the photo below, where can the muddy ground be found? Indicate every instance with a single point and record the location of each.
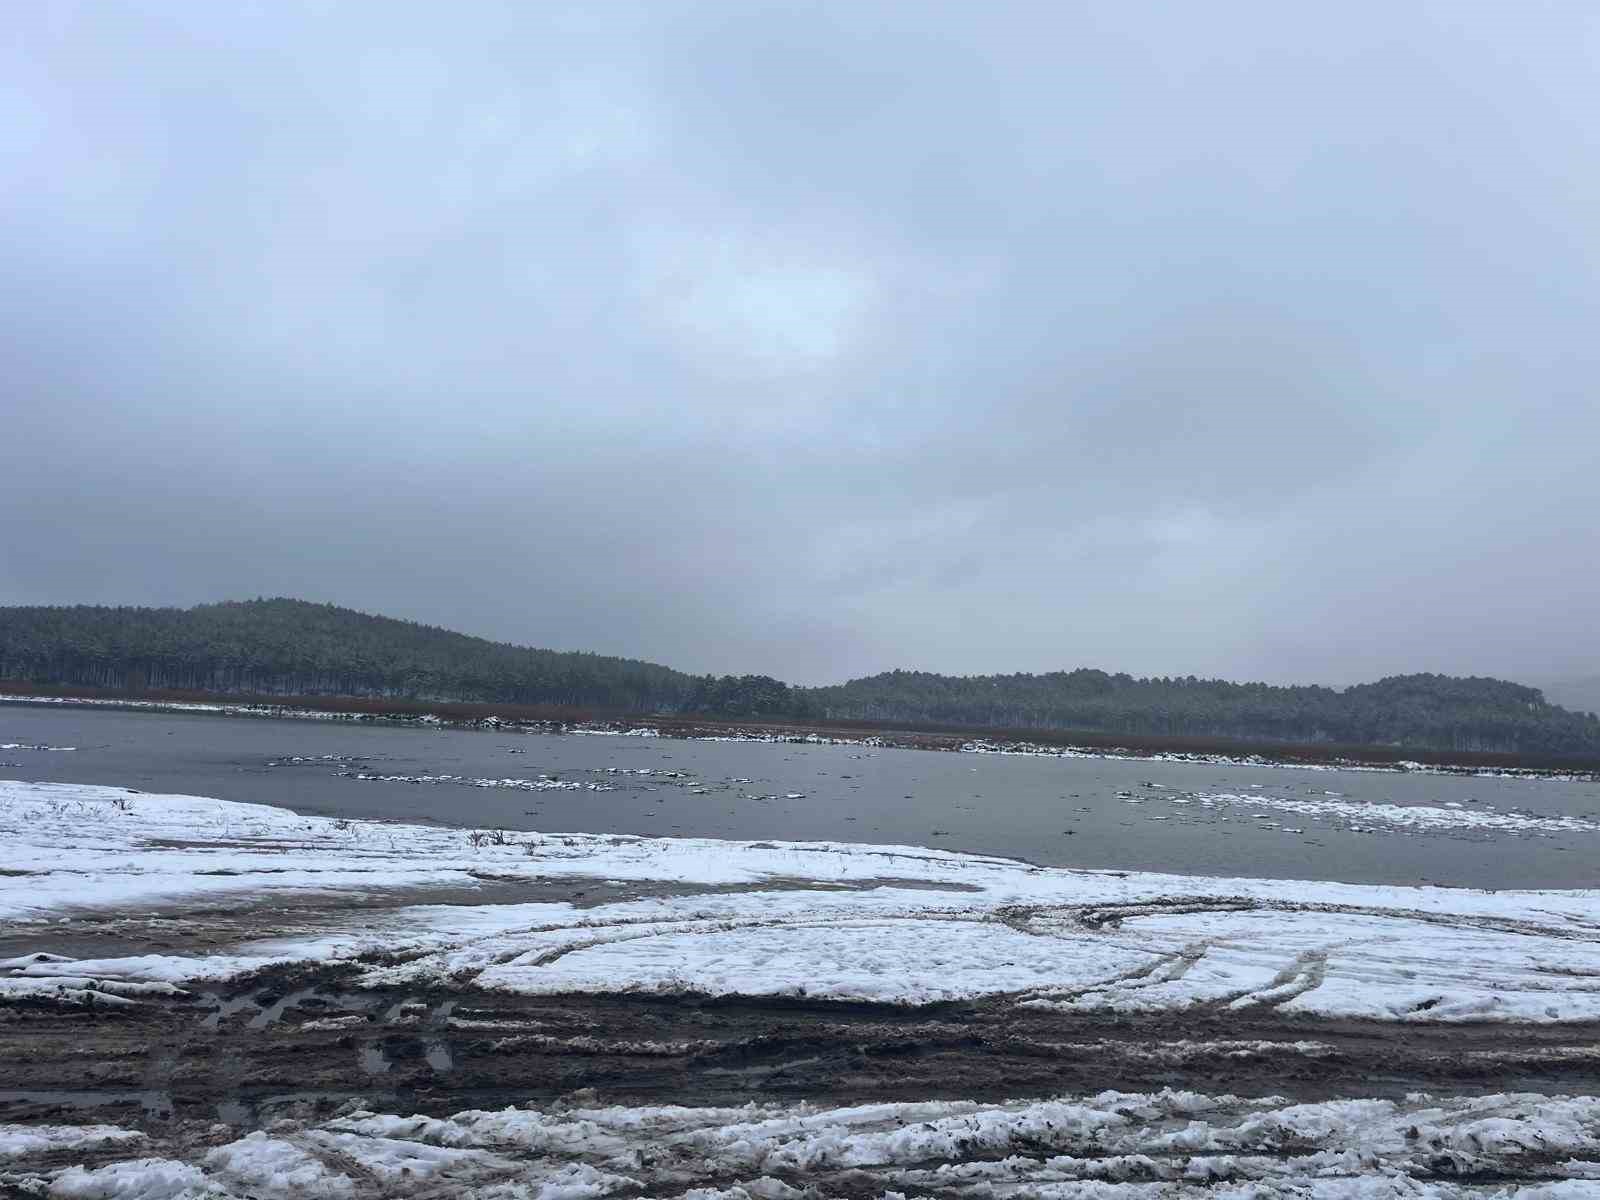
(304, 1043)
(297, 1042)
(298, 1045)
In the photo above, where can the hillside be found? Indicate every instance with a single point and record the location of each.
(291, 647)
(1438, 712)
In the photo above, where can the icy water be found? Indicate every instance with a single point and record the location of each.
(1276, 822)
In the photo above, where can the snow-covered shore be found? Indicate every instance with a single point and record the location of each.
(820, 921)
(888, 924)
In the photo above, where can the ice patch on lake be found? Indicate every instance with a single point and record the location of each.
(1404, 766)
(542, 784)
(1420, 817)
(302, 759)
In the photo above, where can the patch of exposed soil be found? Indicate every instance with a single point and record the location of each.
(298, 1042)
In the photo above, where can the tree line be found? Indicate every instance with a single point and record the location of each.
(1438, 712)
(291, 647)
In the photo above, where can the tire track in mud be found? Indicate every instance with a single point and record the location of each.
(652, 927)
(1305, 974)
(504, 1049)
(1111, 916)
(1165, 967)
(273, 1042)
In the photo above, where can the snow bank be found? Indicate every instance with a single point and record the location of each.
(1115, 1146)
(19, 1141)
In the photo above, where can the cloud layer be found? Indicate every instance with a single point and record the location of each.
(817, 339)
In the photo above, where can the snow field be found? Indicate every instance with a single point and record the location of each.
(821, 920)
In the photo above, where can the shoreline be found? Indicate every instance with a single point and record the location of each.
(545, 719)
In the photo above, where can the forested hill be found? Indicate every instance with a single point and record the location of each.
(1426, 711)
(290, 647)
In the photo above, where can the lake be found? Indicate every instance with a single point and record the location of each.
(1274, 822)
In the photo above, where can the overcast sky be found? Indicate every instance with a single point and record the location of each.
(1251, 340)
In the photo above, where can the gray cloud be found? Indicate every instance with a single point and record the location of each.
(818, 339)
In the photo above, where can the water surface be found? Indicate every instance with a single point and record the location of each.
(1133, 815)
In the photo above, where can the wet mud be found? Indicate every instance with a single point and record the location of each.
(299, 1042)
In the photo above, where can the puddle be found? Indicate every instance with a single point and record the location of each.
(403, 1009)
(318, 1005)
(437, 1052)
(373, 1059)
(226, 1009)
(275, 1010)
(441, 1014)
(763, 1069)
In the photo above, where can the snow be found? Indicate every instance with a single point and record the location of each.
(136, 1179)
(1119, 1146)
(63, 984)
(892, 924)
(823, 920)
(900, 960)
(17, 1141)
(254, 710)
(259, 1165)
